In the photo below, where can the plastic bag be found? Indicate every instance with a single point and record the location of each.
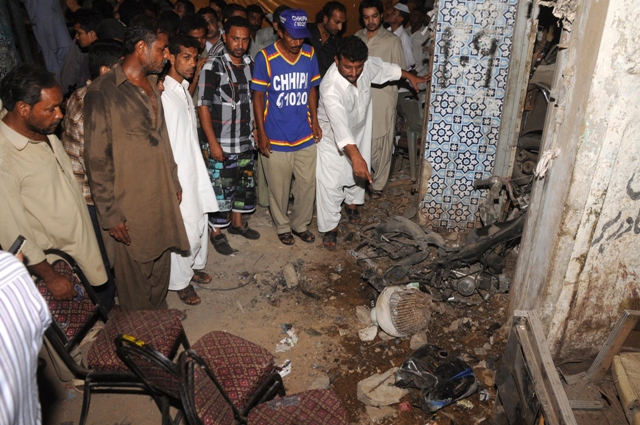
(441, 379)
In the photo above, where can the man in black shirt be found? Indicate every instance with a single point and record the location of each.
(325, 33)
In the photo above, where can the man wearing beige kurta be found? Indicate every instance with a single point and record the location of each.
(40, 197)
(388, 47)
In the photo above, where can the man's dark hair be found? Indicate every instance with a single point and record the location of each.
(188, 6)
(103, 7)
(88, 19)
(366, 4)
(328, 9)
(236, 21)
(182, 40)
(104, 53)
(192, 22)
(220, 3)
(230, 9)
(128, 10)
(24, 84)
(142, 28)
(152, 7)
(254, 8)
(353, 49)
(405, 17)
(204, 10)
(169, 21)
(278, 12)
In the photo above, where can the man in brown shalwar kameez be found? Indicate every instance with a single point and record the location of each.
(131, 170)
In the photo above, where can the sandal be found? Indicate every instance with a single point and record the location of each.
(306, 236)
(188, 295)
(286, 238)
(330, 239)
(353, 215)
(201, 278)
(375, 194)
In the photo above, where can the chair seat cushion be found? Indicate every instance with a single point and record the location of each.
(70, 315)
(210, 405)
(316, 407)
(239, 365)
(159, 328)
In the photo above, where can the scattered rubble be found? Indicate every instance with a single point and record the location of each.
(418, 340)
(368, 334)
(378, 414)
(290, 275)
(364, 315)
(321, 382)
(379, 389)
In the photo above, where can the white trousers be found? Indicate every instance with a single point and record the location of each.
(329, 203)
(184, 263)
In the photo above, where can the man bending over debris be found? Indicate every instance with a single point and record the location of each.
(345, 117)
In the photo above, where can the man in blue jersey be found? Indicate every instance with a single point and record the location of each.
(285, 102)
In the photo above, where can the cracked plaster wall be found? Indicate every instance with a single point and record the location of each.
(579, 260)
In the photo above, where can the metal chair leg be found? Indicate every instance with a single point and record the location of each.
(86, 400)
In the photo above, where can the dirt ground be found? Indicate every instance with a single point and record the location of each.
(249, 297)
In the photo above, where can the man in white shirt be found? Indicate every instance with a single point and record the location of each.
(24, 316)
(198, 198)
(345, 117)
(397, 19)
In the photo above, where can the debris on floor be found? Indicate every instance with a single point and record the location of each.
(380, 389)
(289, 341)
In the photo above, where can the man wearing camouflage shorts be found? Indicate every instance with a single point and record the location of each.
(226, 116)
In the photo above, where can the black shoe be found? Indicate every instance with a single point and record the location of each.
(244, 231)
(221, 244)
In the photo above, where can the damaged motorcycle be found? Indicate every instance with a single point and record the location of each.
(469, 274)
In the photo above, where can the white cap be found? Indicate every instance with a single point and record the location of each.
(402, 7)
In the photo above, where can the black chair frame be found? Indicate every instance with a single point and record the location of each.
(129, 346)
(94, 380)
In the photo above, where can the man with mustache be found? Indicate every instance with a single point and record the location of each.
(132, 173)
(198, 198)
(285, 100)
(345, 116)
(226, 117)
(325, 33)
(40, 197)
(388, 47)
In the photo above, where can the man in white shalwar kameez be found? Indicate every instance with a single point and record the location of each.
(345, 117)
(198, 198)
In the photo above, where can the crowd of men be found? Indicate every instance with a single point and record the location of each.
(169, 118)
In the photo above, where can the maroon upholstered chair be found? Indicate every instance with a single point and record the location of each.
(205, 401)
(72, 320)
(245, 370)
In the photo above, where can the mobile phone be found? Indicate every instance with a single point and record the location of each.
(16, 247)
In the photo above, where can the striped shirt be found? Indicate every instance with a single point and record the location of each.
(24, 316)
(287, 120)
(224, 89)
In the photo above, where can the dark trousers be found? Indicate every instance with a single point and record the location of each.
(106, 293)
(141, 286)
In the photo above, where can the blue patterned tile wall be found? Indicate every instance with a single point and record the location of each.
(471, 59)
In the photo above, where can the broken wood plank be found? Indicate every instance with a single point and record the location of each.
(575, 379)
(612, 346)
(586, 405)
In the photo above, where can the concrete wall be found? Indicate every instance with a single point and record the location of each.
(579, 256)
